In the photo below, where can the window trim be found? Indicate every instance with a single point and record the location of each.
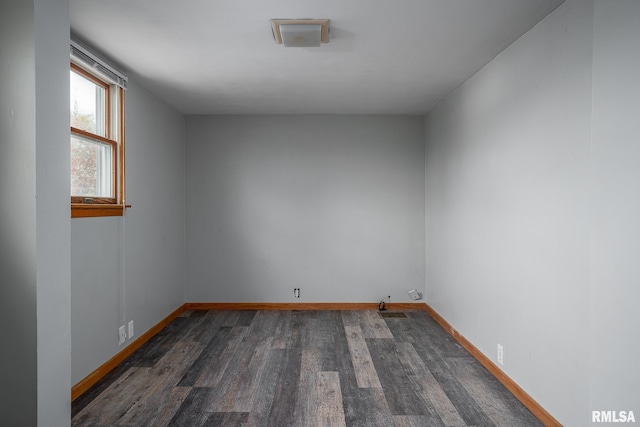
(83, 207)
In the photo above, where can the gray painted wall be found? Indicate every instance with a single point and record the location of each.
(18, 373)
(132, 268)
(53, 239)
(615, 239)
(34, 213)
(95, 298)
(333, 205)
(508, 210)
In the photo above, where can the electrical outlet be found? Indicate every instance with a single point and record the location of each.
(500, 354)
(123, 335)
(296, 292)
(130, 328)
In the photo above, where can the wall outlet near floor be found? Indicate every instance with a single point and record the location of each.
(123, 335)
(296, 292)
(500, 354)
(130, 328)
(414, 294)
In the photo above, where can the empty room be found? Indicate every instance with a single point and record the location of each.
(408, 213)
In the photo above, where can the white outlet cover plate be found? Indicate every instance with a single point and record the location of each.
(122, 335)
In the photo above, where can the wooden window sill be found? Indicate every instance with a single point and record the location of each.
(86, 210)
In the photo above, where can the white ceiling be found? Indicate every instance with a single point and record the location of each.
(384, 57)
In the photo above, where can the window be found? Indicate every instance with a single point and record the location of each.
(97, 140)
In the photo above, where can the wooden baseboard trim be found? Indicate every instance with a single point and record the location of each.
(301, 306)
(95, 376)
(536, 409)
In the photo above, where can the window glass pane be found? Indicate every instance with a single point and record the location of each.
(91, 166)
(88, 105)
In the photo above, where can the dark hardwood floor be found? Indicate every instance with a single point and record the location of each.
(300, 368)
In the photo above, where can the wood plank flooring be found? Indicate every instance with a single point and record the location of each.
(300, 368)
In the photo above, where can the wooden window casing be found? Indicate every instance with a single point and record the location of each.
(88, 206)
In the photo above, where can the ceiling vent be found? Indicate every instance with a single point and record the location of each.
(300, 32)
